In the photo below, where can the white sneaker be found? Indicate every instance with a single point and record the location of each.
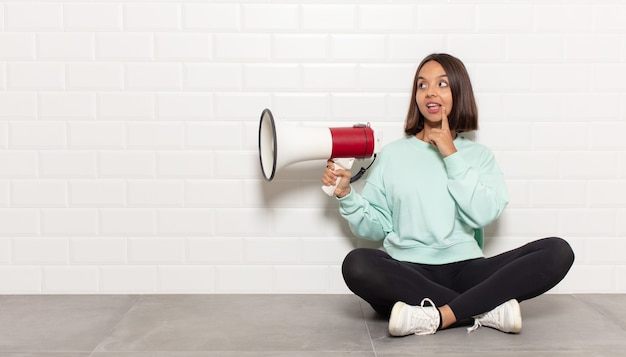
(419, 320)
(506, 318)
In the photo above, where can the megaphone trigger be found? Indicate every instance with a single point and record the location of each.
(340, 163)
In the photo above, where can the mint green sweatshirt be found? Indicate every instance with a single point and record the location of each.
(425, 207)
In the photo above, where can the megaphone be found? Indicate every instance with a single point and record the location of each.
(283, 144)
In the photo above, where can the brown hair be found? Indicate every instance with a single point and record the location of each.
(464, 114)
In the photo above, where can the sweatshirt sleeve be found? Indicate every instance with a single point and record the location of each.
(368, 218)
(479, 190)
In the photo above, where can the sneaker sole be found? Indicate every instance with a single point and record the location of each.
(393, 319)
(517, 313)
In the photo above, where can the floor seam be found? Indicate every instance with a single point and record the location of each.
(106, 335)
(369, 334)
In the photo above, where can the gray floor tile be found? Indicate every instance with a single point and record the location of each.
(58, 323)
(233, 354)
(242, 323)
(289, 325)
(45, 354)
(552, 323)
(609, 306)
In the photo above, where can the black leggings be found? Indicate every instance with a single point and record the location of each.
(469, 287)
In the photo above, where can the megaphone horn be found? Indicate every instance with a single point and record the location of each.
(282, 144)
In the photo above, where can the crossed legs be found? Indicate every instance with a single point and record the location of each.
(462, 289)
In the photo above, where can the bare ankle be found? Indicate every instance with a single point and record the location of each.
(447, 316)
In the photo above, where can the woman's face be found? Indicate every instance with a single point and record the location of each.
(433, 91)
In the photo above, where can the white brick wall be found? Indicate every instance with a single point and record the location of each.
(128, 134)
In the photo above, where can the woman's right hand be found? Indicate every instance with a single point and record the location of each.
(331, 175)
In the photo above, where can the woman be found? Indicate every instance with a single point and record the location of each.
(428, 196)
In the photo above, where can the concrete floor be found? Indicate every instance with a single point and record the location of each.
(289, 325)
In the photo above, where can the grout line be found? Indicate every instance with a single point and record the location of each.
(104, 337)
(367, 327)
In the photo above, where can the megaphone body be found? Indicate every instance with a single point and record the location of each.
(283, 144)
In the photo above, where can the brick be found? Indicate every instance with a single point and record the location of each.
(329, 76)
(385, 77)
(19, 222)
(67, 106)
(536, 48)
(312, 279)
(193, 222)
(505, 18)
(329, 17)
(271, 77)
(187, 164)
(65, 46)
(69, 222)
(33, 16)
(358, 107)
(571, 18)
(156, 250)
(19, 164)
(20, 279)
(97, 250)
(149, 193)
(152, 16)
(242, 46)
(228, 105)
(387, 17)
(183, 46)
(215, 250)
(315, 106)
(126, 106)
(412, 47)
(279, 17)
(124, 164)
(301, 46)
(97, 193)
(459, 18)
(155, 76)
(70, 280)
(198, 16)
(89, 135)
(272, 251)
(37, 135)
(213, 76)
(213, 193)
(228, 222)
(188, 106)
(127, 46)
(93, 17)
(125, 222)
(36, 76)
(68, 164)
(142, 135)
(39, 193)
(478, 48)
(17, 46)
(215, 135)
(243, 279)
(186, 279)
(44, 251)
(357, 47)
(100, 76)
(128, 279)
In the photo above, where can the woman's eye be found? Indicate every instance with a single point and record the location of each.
(443, 84)
(421, 85)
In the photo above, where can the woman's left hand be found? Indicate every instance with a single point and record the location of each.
(442, 138)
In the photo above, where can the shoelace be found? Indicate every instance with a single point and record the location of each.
(476, 326)
(433, 316)
(477, 323)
